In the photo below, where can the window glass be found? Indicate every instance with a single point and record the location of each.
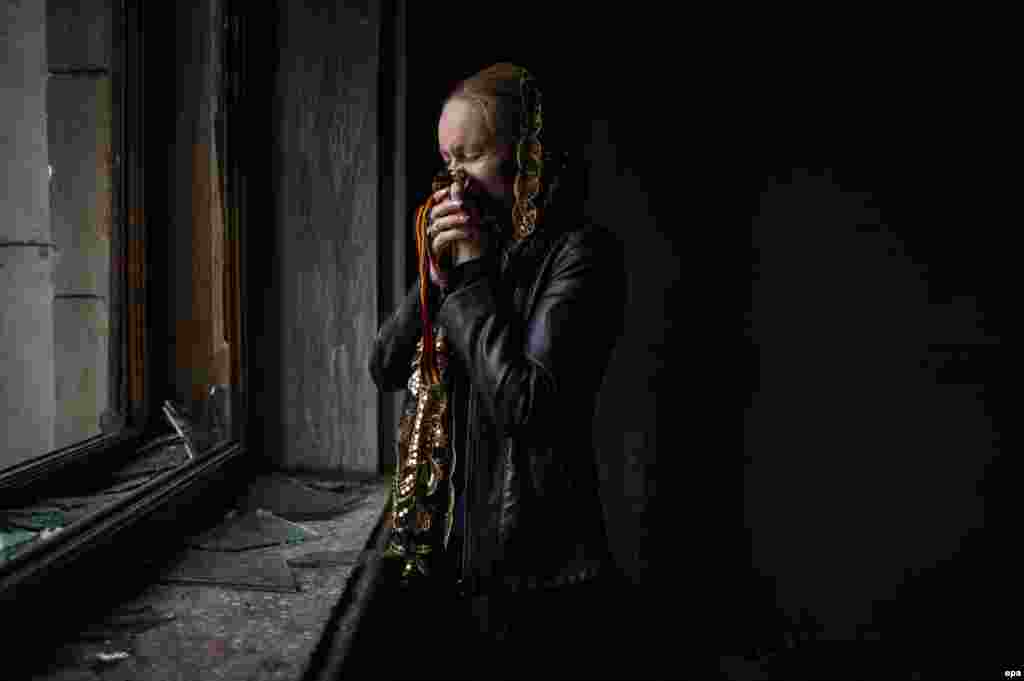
(80, 109)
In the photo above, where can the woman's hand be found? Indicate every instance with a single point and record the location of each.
(455, 221)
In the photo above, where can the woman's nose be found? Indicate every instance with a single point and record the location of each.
(467, 181)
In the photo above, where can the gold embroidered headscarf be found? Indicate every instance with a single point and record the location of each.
(421, 487)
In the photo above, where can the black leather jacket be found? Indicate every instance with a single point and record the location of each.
(531, 334)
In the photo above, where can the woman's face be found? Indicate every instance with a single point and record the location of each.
(465, 142)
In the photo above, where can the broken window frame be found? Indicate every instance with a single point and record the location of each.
(139, 352)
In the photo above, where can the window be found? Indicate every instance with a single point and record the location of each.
(62, 290)
(74, 355)
(86, 386)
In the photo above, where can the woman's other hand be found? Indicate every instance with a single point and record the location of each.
(455, 222)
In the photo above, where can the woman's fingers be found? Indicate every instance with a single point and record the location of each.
(447, 222)
(446, 207)
(452, 209)
(451, 220)
(449, 235)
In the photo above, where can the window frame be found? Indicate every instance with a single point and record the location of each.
(139, 352)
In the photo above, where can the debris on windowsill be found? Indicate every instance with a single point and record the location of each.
(13, 540)
(49, 532)
(296, 499)
(336, 486)
(159, 456)
(320, 559)
(268, 608)
(34, 519)
(256, 529)
(203, 431)
(178, 418)
(119, 624)
(246, 570)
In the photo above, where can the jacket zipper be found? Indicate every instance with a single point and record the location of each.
(466, 487)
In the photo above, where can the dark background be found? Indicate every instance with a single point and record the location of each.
(839, 467)
(876, 468)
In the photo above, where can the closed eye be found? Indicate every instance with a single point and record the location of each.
(471, 156)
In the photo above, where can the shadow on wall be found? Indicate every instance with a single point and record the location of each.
(862, 467)
(625, 431)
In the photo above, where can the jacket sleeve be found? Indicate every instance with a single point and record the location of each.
(529, 371)
(395, 345)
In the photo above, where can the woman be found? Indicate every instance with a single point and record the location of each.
(497, 491)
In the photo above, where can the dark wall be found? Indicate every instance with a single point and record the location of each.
(864, 450)
(877, 317)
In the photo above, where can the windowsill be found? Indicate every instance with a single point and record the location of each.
(72, 505)
(233, 633)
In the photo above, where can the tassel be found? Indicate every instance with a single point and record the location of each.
(430, 372)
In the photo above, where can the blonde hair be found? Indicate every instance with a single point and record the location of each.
(496, 92)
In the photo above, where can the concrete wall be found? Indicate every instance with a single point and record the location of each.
(27, 405)
(326, 216)
(81, 202)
